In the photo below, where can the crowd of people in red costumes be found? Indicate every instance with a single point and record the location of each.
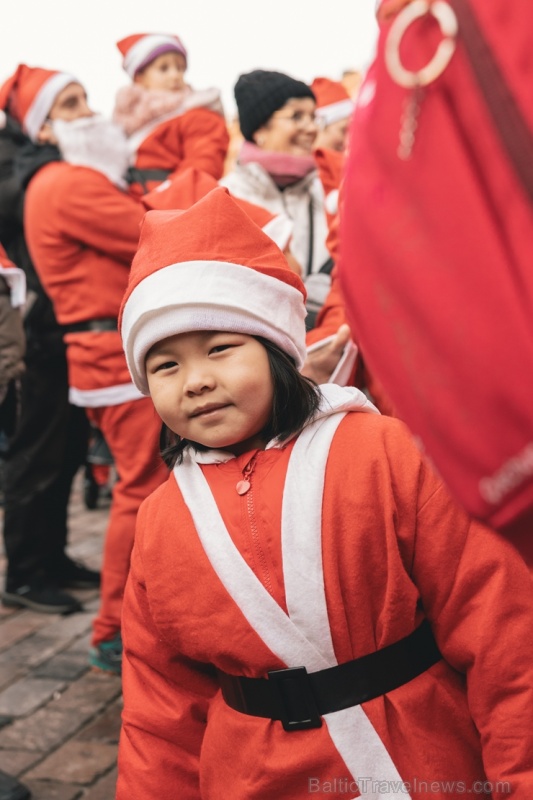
(293, 597)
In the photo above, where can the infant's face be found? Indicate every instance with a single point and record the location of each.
(166, 73)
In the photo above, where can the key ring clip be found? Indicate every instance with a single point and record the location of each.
(447, 20)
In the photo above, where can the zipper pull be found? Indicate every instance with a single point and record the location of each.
(244, 485)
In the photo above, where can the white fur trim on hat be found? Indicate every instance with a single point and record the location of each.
(331, 202)
(210, 295)
(326, 115)
(141, 50)
(280, 230)
(43, 101)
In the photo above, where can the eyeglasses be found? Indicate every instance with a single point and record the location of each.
(300, 118)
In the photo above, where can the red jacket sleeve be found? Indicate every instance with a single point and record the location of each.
(478, 594)
(166, 698)
(205, 141)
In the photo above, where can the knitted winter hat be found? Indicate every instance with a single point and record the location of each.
(29, 94)
(333, 102)
(260, 93)
(209, 268)
(140, 49)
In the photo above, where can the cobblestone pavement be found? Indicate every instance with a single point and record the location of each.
(59, 719)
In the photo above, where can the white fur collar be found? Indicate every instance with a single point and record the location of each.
(334, 400)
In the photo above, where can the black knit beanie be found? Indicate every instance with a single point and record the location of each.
(260, 93)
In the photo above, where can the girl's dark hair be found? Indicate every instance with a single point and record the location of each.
(296, 400)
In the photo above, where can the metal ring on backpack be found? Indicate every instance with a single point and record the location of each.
(447, 20)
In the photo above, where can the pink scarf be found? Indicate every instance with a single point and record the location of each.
(283, 168)
(136, 107)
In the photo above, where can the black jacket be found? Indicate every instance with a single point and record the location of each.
(20, 159)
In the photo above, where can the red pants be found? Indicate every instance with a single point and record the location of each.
(132, 432)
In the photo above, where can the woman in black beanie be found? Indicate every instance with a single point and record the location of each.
(275, 167)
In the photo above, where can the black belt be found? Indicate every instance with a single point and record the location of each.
(134, 175)
(102, 324)
(299, 698)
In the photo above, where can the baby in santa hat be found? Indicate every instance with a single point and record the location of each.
(302, 585)
(170, 126)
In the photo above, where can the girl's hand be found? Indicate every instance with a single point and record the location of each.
(321, 362)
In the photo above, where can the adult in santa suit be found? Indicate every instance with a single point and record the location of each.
(312, 550)
(49, 442)
(170, 126)
(82, 231)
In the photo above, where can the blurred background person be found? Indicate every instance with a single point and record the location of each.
(49, 442)
(275, 167)
(334, 108)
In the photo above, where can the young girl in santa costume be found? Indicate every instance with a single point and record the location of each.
(170, 126)
(307, 611)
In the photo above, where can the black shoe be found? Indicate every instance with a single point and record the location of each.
(12, 789)
(74, 575)
(46, 599)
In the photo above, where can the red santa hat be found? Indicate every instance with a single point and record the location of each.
(29, 94)
(209, 268)
(333, 102)
(192, 184)
(140, 49)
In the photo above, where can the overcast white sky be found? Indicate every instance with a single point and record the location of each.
(224, 38)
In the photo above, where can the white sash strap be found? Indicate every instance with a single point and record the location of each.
(352, 732)
(301, 519)
(304, 638)
(259, 608)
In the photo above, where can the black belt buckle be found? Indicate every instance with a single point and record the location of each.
(298, 711)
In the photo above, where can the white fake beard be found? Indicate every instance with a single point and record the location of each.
(94, 142)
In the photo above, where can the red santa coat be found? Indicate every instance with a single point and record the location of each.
(233, 593)
(82, 233)
(196, 138)
(330, 165)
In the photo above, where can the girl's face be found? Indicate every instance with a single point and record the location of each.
(292, 129)
(213, 388)
(165, 72)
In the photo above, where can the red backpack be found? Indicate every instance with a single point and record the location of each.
(436, 259)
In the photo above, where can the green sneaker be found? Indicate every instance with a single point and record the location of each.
(107, 656)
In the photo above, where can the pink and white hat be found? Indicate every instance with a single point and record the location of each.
(209, 268)
(29, 94)
(333, 102)
(140, 49)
